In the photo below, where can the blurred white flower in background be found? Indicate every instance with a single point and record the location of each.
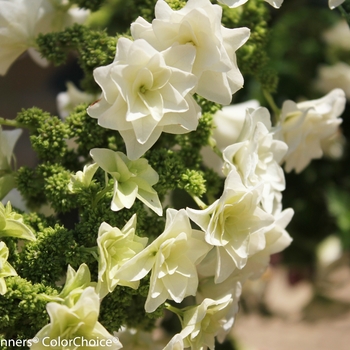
(332, 77)
(21, 21)
(68, 100)
(338, 35)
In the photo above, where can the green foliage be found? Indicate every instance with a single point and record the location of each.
(192, 181)
(339, 206)
(95, 49)
(22, 310)
(88, 134)
(92, 5)
(252, 57)
(128, 308)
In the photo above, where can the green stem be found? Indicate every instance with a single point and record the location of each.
(344, 14)
(198, 201)
(173, 309)
(13, 123)
(273, 106)
(101, 194)
(91, 250)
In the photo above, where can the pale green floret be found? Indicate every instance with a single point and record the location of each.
(132, 179)
(11, 224)
(6, 269)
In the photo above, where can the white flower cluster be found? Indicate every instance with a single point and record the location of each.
(149, 87)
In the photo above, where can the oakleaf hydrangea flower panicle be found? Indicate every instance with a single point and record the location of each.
(8, 139)
(256, 156)
(132, 179)
(145, 93)
(115, 247)
(172, 257)
(235, 224)
(6, 269)
(77, 323)
(21, 21)
(304, 125)
(235, 3)
(198, 24)
(334, 3)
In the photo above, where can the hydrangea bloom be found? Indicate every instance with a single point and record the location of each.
(175, 343)
(76, 282)
(235, 3)
(173, 257)
(132, 179)
(146, 92)
(235, 225)
(198, 24)
(12, 225)
(21, 21)
(75, 324)
(115, 247)
(8, 139)
(228, 124)
(6, 269)
(256, 156)
(202, 323)
(304, 125)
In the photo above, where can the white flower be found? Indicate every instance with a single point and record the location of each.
(115, 247)
(145, 93)
(21, 21)
(198, 24)
(6, 269)
(76, 323)
(173, 257)
(132, 179)
(82, 179)
(228, 124)
(304, 125)
(235, 3)
(202, 323)
(12, 225)
(328, 251)
(67, 101)
(338, 35)
(256, 156)
(334, 3)
(235, 224)
(332, 77)
(175, 343)
(8, 140)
